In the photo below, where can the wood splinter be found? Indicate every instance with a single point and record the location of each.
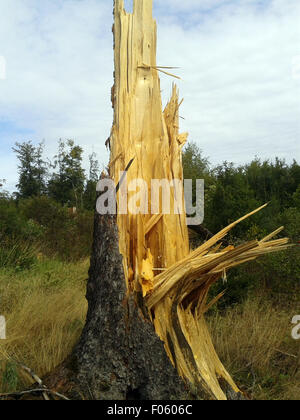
(177, 292)
(146, 336)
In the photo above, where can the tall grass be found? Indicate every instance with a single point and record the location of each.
(18, 254)
(254, 342)
(45, 311)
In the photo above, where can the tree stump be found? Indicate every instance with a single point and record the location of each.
(119, 355)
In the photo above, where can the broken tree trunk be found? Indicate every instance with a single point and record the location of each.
(151, 243)
(146, 335)
(119, 356)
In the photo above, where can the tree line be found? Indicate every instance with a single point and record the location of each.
(38, 216)
(230, 190)
(234, 190)
(62, 179)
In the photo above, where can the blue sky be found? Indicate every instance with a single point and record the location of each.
(235, 59)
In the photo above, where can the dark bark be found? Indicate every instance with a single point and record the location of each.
(119, 355)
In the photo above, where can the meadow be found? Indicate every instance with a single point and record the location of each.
(45, 309)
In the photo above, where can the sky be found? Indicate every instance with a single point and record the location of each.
(239, 61)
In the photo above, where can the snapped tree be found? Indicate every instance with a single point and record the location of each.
(145, 336)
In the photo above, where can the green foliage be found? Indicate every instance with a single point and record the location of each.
(230, 192)
(195, 165)
(43, 210)
(67, 185)
(273, 180)
(231, 198)
(40, 225)
(17, 255)
(32, 169)
(10, 377)
(275, 275)
(66, 234)
(296, 198)
(233, 191)
(17, 235)
(13, 224)
(3, 194)
(290, 219)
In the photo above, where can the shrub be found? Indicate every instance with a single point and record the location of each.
(276, 275)
(54, 229)
(10, 377)
(17, 255)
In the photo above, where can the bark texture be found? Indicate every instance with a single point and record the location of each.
(119, 355)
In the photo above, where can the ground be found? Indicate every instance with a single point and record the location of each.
(45, 310)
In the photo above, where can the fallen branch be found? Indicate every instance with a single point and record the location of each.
(20, 394)
(178, 301)
(36, 378)
(286, 354)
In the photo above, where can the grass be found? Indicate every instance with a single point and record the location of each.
(255, 344)
(17, 254)
(45, 311)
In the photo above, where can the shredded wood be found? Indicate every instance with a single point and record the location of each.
(156, 256)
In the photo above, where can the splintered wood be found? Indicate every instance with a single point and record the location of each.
(143, 133)
(155, 247)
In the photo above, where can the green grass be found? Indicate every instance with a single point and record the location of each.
(18, 255)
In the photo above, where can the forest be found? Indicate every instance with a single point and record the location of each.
(46, 230)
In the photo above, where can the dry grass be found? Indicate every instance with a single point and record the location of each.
(254, 342)
(45, 311)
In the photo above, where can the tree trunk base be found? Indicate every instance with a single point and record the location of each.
(119, 355)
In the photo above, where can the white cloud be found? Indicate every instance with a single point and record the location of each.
(59, 73)
(240, 96)
(235, 58)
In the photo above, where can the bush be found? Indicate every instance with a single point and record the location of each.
(276, 275)
(11, 222)
(14, 224)
(66, 236)
(10, 377)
